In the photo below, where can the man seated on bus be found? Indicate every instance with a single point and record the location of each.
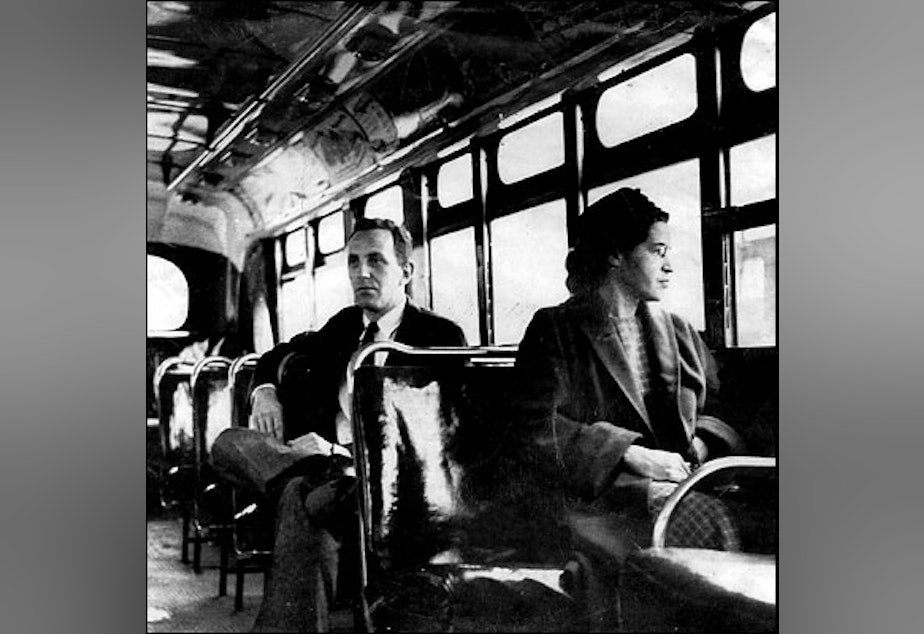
(313, 521)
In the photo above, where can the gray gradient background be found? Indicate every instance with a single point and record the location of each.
(72, 229)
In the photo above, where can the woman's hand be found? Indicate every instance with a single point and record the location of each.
(657, 464)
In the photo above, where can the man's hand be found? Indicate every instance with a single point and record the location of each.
(657, 464)
(266, 413)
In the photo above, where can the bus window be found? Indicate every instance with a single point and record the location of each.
(755, 286)
(388, 203)
(753, 171)
(332, 288)
(295, 313)
(532, 149)
(168, 295)
(528, 252)
(454, 181)
(758, 54)
(656, 98)
(296, 250)
(454, 280)
(262, 325)
(675, 189)
(331, 236)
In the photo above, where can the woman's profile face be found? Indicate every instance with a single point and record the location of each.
(646, 269)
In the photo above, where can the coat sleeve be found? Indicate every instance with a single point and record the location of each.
(267, 369)
(583, 455)
(721, 438)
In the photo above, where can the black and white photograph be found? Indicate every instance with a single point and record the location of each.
(462, 316)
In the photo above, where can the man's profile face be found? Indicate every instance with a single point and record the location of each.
(377, 278)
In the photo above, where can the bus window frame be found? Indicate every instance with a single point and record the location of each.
(745, 114)
(502, 199)
(677, 142)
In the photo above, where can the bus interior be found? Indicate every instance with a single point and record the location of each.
(486, 129)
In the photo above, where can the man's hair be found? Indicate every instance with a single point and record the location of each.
(400, 235)
(615, 224)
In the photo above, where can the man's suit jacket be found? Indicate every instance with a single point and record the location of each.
(327, 353)
(579, 409)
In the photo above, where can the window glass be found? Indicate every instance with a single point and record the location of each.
(262, 325)
(295, 248)
(168, 295)
(388, 203)
(528, 252)
(648, 102)
(296, 309)
(675, 189)
(454, 277)
(532, 149)
(454, 181)
(753, 171)
(755, 286)
(332, 289)
(758, 54)
(331, 237)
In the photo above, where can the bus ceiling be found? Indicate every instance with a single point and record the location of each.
(261, 111)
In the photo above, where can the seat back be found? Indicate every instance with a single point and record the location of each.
(252, 521)
(176, 473)
(678, 584)
(746, 489)
(211, 407)
(438, 486)
(240, 381)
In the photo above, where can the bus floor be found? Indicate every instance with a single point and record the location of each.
(179, 600)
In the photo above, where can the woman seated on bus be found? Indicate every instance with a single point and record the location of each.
(612, 388)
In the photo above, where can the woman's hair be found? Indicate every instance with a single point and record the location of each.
(615, 224)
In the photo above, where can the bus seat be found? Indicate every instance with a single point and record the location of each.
(251, 536)
(450, 537)
(252, 521)
(699, 589)
(176, 472)
(210, 517)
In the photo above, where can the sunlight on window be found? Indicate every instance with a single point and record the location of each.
(755, 286)
(675, 189)
(296, 307)
(753, 171)
(758, 54)
(454, 181)
(296, 249)
(528, 250)
(532, 149)
(454, 280)
(168, 295)
(332, 289)
(388, 204)
(648, 102)
(331, 236)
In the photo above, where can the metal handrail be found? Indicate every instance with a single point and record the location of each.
(175, 366)
(208, 363)
(247, 360)
(709, 468)
(231, 129)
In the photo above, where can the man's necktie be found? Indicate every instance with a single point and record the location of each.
(369, 337)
